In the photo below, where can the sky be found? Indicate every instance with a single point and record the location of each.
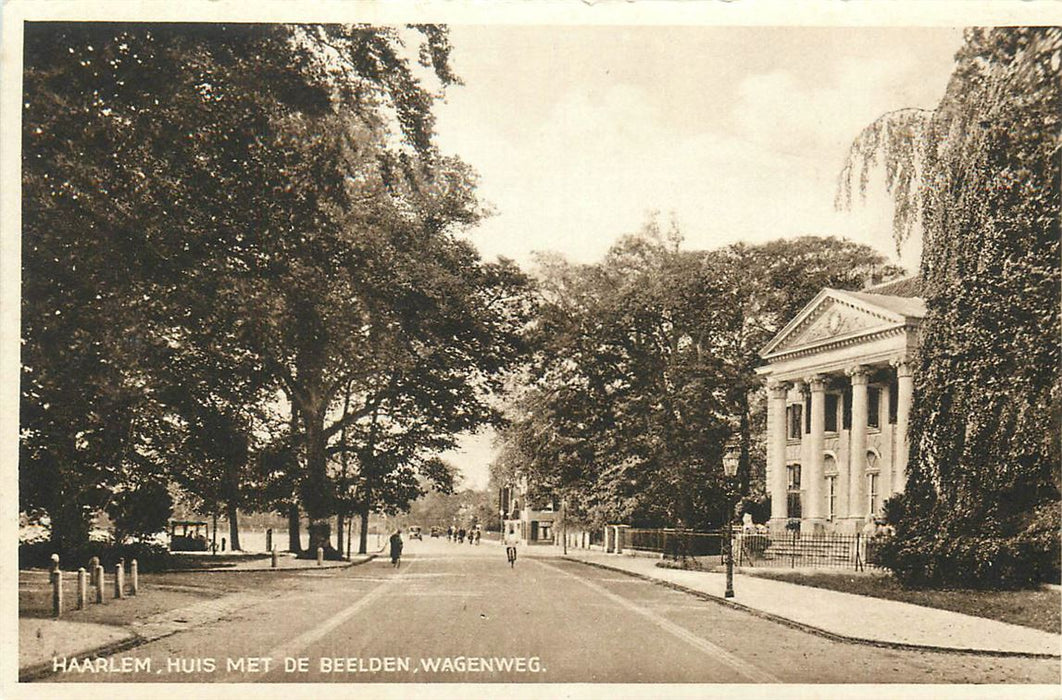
(579, 133)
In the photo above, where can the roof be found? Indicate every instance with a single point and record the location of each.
(903, 287)
(912, 307)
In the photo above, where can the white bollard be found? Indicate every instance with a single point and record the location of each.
(134, 577)
(99, 583)
(57, 587)
(119, 580)
(274, 557)
(320, 556)
(82, 588)
(93, 563)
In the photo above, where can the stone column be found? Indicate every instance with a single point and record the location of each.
(800, 390)
(857, 451)
(887, 451)
(813, 511)
(904, 398)
(776, 439)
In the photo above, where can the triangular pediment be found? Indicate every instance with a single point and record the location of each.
(831, 316)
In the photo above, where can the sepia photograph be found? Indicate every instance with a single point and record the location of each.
(591, 349)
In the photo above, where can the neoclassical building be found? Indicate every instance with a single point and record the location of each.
(839, 393)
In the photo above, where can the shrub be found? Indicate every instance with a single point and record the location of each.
(926, 557)
(140, 512)
(149, 556)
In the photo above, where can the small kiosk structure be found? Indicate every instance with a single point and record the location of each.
(188, 535)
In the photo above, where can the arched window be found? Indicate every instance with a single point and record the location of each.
(829, 467)
(793, 508)
(873, 500)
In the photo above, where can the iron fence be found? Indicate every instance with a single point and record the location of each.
(674, 543)
(825, 550)
(752, 549)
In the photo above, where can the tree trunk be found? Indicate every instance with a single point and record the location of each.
(339, 532)
(294, 542)
(317, 489)
(234, 527)
(363, 535)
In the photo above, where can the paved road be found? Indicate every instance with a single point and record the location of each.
(455, 613)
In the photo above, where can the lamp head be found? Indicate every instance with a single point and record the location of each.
(731, 459)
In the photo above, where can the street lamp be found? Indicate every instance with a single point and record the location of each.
(731, 460)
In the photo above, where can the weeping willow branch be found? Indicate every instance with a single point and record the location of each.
(898, 141)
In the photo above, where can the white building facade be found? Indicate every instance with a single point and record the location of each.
(839, 397)
(531, 526)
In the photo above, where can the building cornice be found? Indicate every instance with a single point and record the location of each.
(835, 343)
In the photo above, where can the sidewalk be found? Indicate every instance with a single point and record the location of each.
(40, 640)
(844, 615)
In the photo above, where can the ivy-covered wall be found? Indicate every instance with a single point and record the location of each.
(981, 506)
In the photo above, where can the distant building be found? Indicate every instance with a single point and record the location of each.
(532, 526)
(839, 396)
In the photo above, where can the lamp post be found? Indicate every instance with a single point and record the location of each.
(731, 459)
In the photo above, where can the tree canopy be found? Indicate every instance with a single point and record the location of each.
(644, 370)
(223, 222)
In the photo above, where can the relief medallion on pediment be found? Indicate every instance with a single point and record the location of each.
(832, 320)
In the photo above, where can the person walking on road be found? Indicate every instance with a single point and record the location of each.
(511, 541)
(396, 547)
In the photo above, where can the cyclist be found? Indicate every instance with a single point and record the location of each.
(396, 547)
(511, 541)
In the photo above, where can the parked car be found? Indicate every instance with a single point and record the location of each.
(414, 532)
(436, 531)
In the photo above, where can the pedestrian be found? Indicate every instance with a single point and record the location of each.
(396, 547)
(478, 533)
(461, 535)
(511, 541)
(450, 534)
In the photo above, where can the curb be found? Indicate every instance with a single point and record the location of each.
(44, 669)
(818, 631)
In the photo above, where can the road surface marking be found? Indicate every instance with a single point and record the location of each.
(309, 637)
(746, 669)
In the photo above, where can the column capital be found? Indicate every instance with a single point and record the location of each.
(903, 367)
(858, 374)
(817, 382)
(777, 389)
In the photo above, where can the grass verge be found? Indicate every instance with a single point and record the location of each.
(1038, 609)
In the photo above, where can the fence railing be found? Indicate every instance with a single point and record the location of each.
(757, 548)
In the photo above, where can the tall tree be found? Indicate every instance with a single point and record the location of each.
(981, 503)
(258, 183)
(645, 371)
